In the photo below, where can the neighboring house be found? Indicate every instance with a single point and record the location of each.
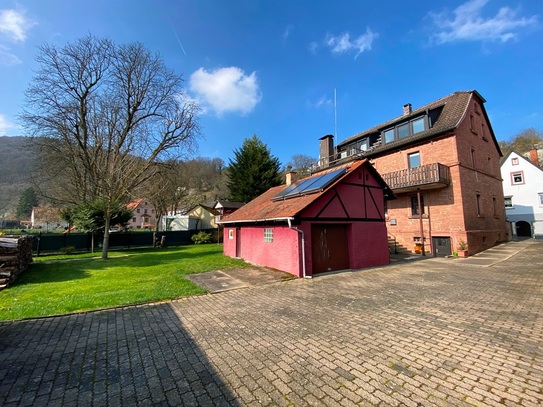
(47, 217)
(442, 162)
(178, 222)
(332, 220)
(205, 215)
(226, 207)
(198, 217)
(523, 194)
(143, 214)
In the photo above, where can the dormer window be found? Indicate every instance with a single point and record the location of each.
(405, 129)
(354, 148)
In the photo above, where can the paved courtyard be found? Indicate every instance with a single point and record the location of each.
(443, 332)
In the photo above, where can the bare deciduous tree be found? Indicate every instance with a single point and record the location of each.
(302, 164)
(105, 113)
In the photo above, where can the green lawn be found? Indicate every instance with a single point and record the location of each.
(71, 283)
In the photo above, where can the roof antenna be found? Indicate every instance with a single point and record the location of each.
(335, 115)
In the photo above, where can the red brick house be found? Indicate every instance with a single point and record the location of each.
(332, 220)
(442, 158)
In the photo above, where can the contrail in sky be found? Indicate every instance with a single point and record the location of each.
(178, 40)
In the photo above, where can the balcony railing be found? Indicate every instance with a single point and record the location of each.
(428, 176)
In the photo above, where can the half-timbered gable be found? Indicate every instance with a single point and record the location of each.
(331, 220)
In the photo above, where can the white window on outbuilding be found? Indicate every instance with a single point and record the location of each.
(268, 235)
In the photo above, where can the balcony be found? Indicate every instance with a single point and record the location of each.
(431, 176)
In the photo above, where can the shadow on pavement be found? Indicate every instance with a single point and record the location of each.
(129, 356)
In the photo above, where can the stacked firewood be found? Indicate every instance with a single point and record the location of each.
(15, 257)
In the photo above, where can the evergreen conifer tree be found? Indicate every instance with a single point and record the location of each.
(27, 201)
(253, 171)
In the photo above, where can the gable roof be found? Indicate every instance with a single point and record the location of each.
(228, 204)
(450, 111)
(134, 204)
(205, 206)
(265, 208)
(504, 163)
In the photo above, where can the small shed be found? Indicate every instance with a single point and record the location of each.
(331, 220)
(180, 222)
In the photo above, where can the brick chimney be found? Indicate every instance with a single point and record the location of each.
(290, 177)
(533, 156)
(326, 150)
(407, 109)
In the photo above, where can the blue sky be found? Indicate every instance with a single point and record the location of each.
(270, 67)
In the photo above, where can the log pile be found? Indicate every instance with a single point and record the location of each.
(15, 257)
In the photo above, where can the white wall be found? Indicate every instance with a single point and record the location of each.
(525, 196)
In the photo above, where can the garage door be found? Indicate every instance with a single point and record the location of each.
(329, 248)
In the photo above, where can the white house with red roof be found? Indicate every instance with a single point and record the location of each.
(143, 214)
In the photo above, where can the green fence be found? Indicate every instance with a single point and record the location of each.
(82, 242)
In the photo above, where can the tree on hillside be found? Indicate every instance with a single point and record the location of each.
(302, 164)
(253, 171)
(27, 201)
(106, 113)
(523, 142)
(166, 189)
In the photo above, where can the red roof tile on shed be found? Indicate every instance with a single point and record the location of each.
(263, 208)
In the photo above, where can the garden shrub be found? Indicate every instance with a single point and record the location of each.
(201, 237)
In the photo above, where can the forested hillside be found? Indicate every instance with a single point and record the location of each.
(17, 162)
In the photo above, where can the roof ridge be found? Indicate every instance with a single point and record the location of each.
(434, 104)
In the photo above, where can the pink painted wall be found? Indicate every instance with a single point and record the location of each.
(229, 241)
(348, 204)
(283, 253)
(368, 241)
(368, 245)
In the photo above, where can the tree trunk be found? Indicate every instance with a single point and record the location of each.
(105, 245)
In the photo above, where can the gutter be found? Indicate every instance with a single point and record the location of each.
(254, 220)
(301, 232)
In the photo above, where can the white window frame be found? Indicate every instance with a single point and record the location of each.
(521, 174)
(268, 235)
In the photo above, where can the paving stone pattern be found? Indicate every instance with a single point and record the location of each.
(435, 332)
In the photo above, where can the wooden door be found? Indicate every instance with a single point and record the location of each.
(238, 242)
(329, 248)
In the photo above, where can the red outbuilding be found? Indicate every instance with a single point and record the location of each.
(331, 220)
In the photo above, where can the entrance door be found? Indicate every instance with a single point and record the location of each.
(442, 246)
(329, 248)
(238, 242)
(524, 229)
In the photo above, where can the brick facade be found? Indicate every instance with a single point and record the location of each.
(470, 206)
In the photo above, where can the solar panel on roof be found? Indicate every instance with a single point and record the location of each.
(310, 185)
(325, 180)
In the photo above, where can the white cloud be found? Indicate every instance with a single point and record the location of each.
(313, 46)
(14, 24)
(323, 101)
(7, 58)
(226, 90)
(286, 33)
(342, 43)
(467, 24)
(5, 125)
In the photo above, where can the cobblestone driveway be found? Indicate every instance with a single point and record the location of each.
(431, 332)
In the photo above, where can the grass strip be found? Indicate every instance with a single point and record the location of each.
(64, 284)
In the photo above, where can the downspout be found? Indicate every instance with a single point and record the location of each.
(420, 221)
(301, 232)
